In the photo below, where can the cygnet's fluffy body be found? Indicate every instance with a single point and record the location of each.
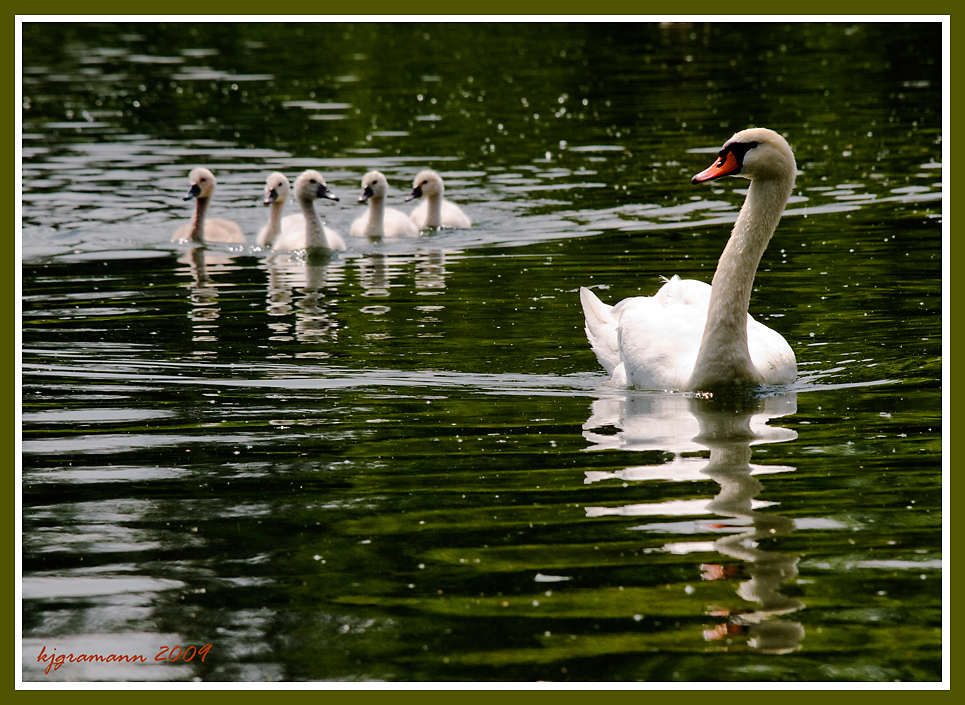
(379, 221)
(202, 229)
(435, 211)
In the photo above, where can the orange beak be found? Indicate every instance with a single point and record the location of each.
(725, 165)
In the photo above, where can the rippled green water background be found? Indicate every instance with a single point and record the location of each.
(404, 463)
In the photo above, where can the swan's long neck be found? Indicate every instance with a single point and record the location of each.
(197, 222)
(314, 232)
(723, 357)
(376, 225)
(434, 211)
(274, 221)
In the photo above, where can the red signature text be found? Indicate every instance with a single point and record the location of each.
(165, 653)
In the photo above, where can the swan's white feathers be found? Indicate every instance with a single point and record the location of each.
(666, 329)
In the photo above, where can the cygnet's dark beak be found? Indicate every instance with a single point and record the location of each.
(271, 197)
(416, 193)
(366, 194)
(193, 192)
(323, 192)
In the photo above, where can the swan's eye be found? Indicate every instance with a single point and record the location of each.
(738, 149)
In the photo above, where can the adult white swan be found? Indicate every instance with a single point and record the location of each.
(201, 229)
(379, 221)
(435, 211)
(306, 231)
(691, 336)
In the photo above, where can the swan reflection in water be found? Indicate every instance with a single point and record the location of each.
(728, 428)
(300, 303)
(379, 272)
(200, 262)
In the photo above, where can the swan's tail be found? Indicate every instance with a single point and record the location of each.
(601, 330)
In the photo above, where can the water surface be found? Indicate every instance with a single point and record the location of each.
(404, 463)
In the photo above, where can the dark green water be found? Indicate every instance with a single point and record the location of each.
(405, 463)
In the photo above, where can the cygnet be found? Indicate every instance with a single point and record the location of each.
(306, 231)
(277, 190)
(201, 230)
(435, 211)
(379, 221)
